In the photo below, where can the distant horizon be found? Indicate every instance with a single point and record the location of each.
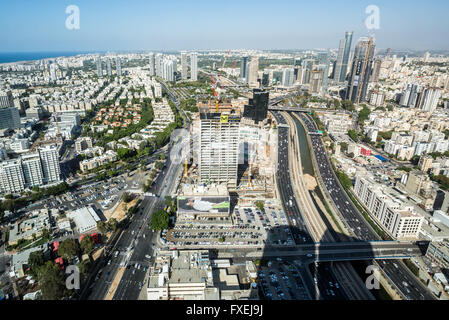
(27, 56)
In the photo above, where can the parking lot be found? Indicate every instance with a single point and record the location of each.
(273, 220)
(281, 280)
(247, 226)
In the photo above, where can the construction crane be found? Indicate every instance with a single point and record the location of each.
(185, 161)
(214, 85)
(226, 57)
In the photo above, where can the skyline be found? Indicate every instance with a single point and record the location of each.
(115, 26)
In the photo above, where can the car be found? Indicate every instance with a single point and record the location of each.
(309, 255)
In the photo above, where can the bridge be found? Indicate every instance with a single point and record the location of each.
(345, 251)
(276, 107)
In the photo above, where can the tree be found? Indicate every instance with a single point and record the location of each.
(343, 146)
(35, 261)
(51, 281)
(84, 266)
(364, 114)
(260, 205)
(158, 165)
(159, 220)
(87, 244)
(102, 227)
(112, 224)
(68, 249)
(126, 197)
(353, 135)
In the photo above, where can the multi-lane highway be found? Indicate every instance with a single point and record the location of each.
(287, 194)
(405, 282)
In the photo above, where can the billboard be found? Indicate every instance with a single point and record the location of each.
(204, 205)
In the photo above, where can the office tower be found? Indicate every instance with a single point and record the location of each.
(158, 64)
(288, 77)
(32, 170)
(9, 118)
(184, 73)
(50, 163)
(6, 99)
(118, 65)
(11, 176)
(429, 98)
(257, 107)
(388, 52)
(277, 77)
(426, 57)
(361, 70)
(316, 80)
(219, 146)
(324, 67)
(307, 67)
(243, 69)
(376, 70)
(152, 65)
(297, 62)
(99, 70)
(253, 71)
(108, 66)
(343, 58)
(194, 66)
(266, 79)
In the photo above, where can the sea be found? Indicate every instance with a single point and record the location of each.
(7, 57)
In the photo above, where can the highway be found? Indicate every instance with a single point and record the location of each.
(414, 290)
(287, 194)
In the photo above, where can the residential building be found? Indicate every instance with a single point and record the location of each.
(50, 163)
(194, 66)
(184, 73)
(396, 217)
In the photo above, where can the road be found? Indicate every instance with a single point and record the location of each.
(356, 222)
(138, 241)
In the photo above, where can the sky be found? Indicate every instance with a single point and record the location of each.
(119, 25)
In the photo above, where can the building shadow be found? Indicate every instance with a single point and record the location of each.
(332, 271)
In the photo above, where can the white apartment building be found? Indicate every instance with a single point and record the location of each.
(194, 66)
(82, 144)
(32, 170)
(399, 219)
(50, 163)
(11, 176)
(184, 73)
(337, 124)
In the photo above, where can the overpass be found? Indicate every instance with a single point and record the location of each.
(336, 251)
(276, 107)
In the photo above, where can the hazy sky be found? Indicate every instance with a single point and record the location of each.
(30, 25)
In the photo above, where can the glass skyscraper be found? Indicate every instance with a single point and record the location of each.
(362, 67)
(344, 51)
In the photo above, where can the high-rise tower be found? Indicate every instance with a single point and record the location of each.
(362, 67)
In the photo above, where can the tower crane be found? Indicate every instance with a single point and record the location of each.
(226, 57)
